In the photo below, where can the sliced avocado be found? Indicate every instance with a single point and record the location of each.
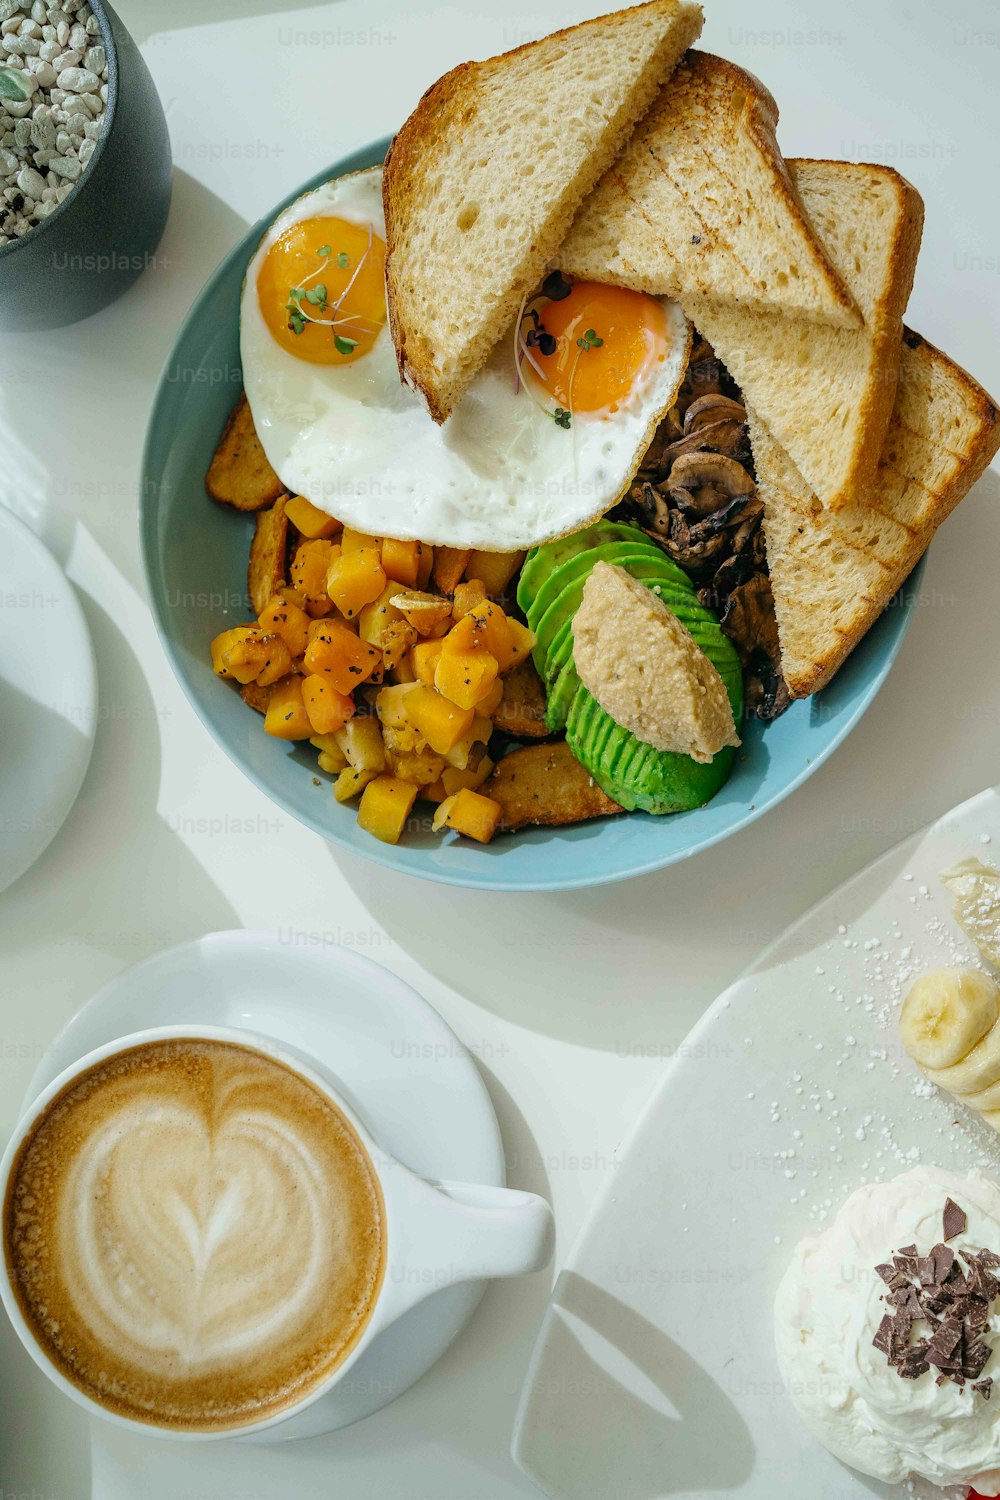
(542, 561)
(635, 774)
(653, 568)
(581, 563)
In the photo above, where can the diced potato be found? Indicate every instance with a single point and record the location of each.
(422, 611)
(231, 654)
(328, 709)
(334, 764)
(251, 655)
(484, 628)
(425, 564)
(286, 716)
(312, 522)
(434, 793)
(472, 777)
(467, 596)
(396, 642)
(441, 722)
(361, 743)
(401, 561)
(357, 541)
(289, 621)
(404, 671)
(522, 644)
(467, 751)
(376, 617)
(488, 706)
(328, 745)
(466, 677)
(337, 654)
(308, 573)
(404, 741)
(390, 705)
(350, 782)
(449, 565)
(470, 813)
(422, 767)
(385, 806)
(494, 569)
(425, 658)
(355, 579)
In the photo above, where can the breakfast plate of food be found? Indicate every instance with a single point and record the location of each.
(524, 497)
(804, 1298)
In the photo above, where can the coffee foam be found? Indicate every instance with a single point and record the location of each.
(195, 1234)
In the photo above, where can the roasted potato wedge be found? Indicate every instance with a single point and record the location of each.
(268, 570)
(522, 707)
(546, 785)
(239, 474)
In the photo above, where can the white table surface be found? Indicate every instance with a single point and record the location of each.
(571, 1002)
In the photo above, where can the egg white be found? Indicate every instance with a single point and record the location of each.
(499, 475)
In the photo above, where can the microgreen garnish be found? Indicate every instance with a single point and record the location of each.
(317, 297)
(562, 418)
(538, 337)
(590, 341)
(555, 286)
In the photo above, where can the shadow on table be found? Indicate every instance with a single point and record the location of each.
(620, 1409)
(83, 458)
(117, 883)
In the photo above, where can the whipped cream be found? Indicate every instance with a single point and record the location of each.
(828, 1309)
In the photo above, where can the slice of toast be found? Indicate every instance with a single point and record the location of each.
(826, 394)
(701, 204)
(483, 181)
(834, 572)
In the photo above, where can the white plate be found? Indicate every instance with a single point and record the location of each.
(654, 1374)
(398, 1065)
(48, 698)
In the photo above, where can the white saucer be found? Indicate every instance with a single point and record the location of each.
(48, 698)
(403, 1070)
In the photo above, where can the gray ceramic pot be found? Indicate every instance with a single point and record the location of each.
(105, 233)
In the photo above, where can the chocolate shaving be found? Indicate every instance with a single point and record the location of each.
(955, 1304)
(955, 1220)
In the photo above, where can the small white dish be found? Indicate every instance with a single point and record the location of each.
(654, 1373)
(48, 698)
(398, 1066)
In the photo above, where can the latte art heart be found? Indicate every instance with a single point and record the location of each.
(197, 1233)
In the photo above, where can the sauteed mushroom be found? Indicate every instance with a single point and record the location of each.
(696, 496)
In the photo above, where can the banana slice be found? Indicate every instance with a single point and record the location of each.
(945, 1015)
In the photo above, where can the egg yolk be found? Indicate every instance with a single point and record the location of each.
(321, 290)
(607, 340)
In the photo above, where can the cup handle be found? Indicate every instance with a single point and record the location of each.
(449, 1232)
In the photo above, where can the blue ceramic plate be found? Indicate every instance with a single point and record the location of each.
(196, 559)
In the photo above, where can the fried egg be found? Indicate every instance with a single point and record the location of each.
(547, 438)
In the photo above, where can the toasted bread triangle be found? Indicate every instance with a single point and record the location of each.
(484, 178)
(834, 572)
(701, 203)
(826, 394)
